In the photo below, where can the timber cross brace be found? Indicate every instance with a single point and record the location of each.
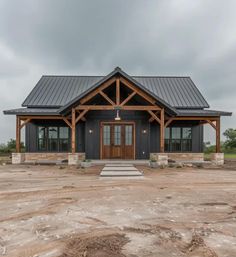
(121, 105)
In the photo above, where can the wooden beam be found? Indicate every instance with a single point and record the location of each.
(194, 118)
(67, 122)
(212, 124)
(24, 123)
(18, 148)
(96, 91)
(128, 98)
(73, 114)
(118, 91)
(41, 117)
(218, 135)
(119, 107)
(138, 91)
(168, 122)
(152, 119)
(162, 131)
(154, 116)
(106, 97)
(80, 116)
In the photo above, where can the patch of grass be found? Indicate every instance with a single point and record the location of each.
(227, 156)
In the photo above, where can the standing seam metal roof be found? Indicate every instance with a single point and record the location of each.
(57, 91)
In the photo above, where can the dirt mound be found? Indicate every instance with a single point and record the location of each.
(197, 247)
(96, 246)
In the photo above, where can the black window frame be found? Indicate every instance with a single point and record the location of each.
(177, 144)
(58, 139)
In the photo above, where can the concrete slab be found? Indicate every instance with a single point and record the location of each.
(120, 168)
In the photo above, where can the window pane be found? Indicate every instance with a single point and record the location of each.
(117, 135)
(186, 133)
(42, 138)
(176, 133)
(53, 139)
(128, 135)
(167, 133)
(175, 145)
(52, 132)
(106, 135)
(63, 132)
(186, 145)
(64, 145)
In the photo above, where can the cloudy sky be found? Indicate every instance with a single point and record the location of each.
(143, 37)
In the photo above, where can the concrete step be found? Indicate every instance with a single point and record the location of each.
(120, 174)
(120, 171)
(121, 168)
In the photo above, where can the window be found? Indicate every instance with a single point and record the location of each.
(63, 139)
(53, 139)
(178, 139)
(128, 134)
(41, 138)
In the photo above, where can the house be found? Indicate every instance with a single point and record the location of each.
(117, 116)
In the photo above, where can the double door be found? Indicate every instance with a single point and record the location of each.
(117, 141)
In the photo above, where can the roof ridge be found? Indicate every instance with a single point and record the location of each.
(134, 76)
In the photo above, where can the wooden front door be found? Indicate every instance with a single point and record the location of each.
(117, 140)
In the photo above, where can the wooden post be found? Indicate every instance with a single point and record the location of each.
(73, 130)
(218, 135)
(118, 91)
(162, 131)
(18, 134)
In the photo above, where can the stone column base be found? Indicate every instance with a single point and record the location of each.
(17, 158)
(75, 158)
(217, 158)
(161, 158)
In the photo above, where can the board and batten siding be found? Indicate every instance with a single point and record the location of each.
(145, 143)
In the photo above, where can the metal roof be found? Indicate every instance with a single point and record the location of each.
(32, 111)
(59, 91)
(189, 112)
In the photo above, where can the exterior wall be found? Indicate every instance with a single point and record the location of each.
(90, 143)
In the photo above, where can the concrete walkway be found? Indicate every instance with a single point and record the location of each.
(120, 170)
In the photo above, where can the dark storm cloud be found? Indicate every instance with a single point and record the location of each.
(169, 37)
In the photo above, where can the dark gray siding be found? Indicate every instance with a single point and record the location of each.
(92, 141)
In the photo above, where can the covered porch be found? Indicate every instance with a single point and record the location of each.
(126, 103)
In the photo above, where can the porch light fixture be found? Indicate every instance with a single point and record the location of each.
(90, 131)
(117, 118)
(144, 131)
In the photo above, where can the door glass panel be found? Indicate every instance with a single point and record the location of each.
(128, 135)
(53, 138)
(117, 135)
(106, 135)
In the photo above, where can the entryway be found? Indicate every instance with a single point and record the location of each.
(117, 140)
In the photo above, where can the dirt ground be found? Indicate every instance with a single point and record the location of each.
(48, 211)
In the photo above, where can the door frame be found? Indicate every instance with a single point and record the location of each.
(121, 122)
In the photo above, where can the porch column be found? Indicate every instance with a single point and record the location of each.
(73, 123)
(162, 131)
(218, 135)
(18, 134)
